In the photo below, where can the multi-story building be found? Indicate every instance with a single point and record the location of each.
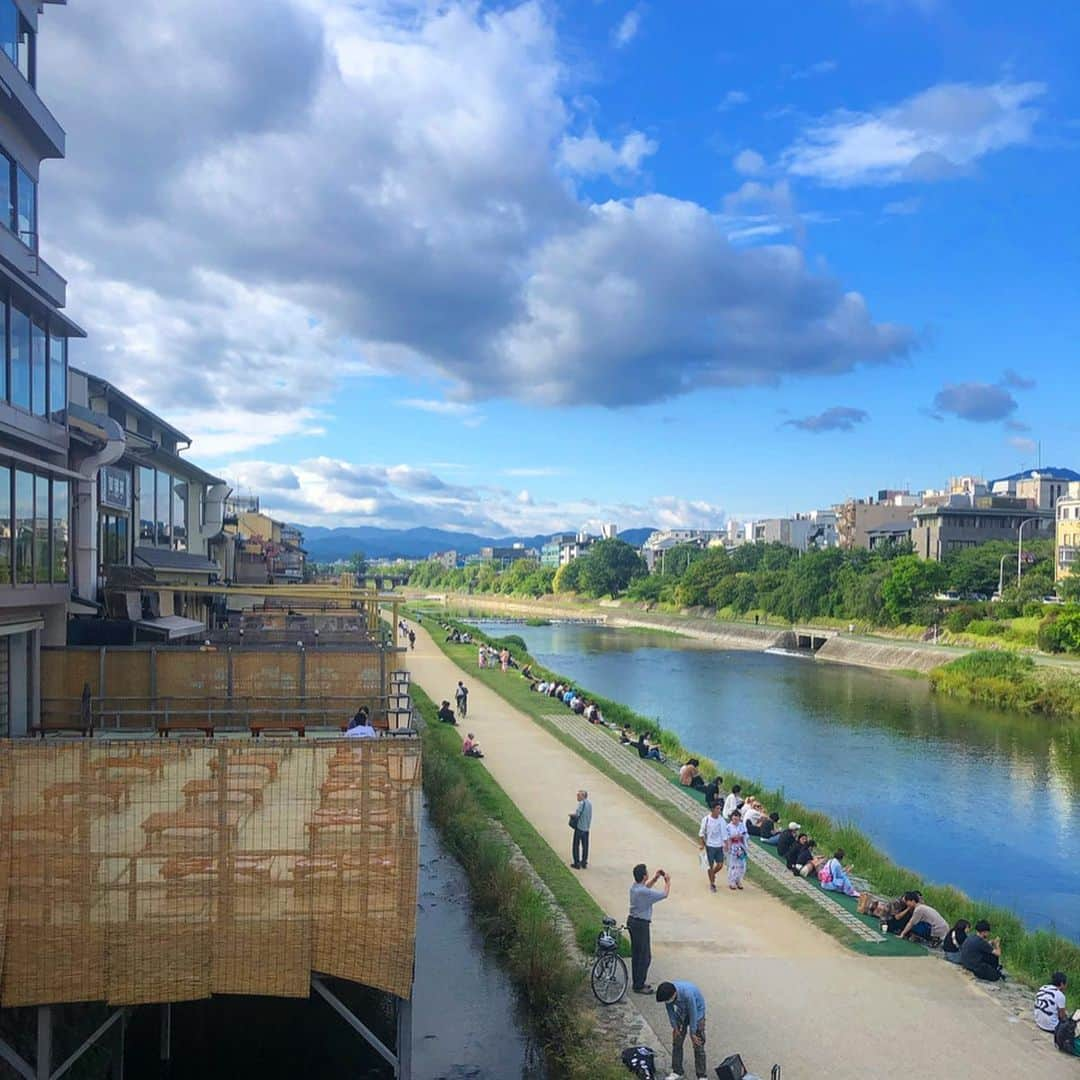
(446, 559)
(1042, 487)
(261, 550)
(551, 552)
(35, 480)
(1067, 540)
(816, 529)
(663, 540)
(504, 556)
(857, 519)
(144, 518)
(964, 521)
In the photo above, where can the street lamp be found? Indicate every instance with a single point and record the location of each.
(1020, 547)
(1001, 574)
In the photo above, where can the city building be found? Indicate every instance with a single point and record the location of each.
(967, 522)
(551, 553)
(35, 478)
(816, 529)
(144, 517)
(609, 530)
(446, 559)
(259, 549)
(1067, 540)
(856, 519)
(663, 540)
(1041, 487)
(504, 556)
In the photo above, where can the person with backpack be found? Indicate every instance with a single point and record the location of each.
(956, 937)
(1049, 1008)
(1065, 1037)
(461, 696)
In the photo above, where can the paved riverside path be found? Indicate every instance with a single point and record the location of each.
(777, 988)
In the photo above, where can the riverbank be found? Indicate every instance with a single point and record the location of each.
(832, 1003)
(1031, 954)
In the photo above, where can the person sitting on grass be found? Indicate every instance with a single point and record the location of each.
(446, 713)
(834, 875)
(645, 750)
(753, 814)
(901, 910)
(794, 850)
(626, 736)
(926, 924)
(982, 956)
(713, 792)
(787, 838)
(470, 747)
(954, 939)
(806, 862)
(690, 777)
(1049, 1009)
(733, 802)
(767, 830)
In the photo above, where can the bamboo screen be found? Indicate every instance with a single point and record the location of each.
(138, 872)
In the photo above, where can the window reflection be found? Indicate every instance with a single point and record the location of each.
(179, 515)
(146, 505)
(24, 527)
(164, 509)
(57, 377)
(5, 526)
(60, 542)
(20, 358)
(26, 196)
(41, 529)
(37, 369)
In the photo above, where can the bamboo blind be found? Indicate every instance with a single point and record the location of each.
(138, 872)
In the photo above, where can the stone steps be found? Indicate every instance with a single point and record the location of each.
(597, 740)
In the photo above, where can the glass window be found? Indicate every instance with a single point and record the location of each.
(146, 506)
(5, 525)
(37, 369)
(27, 60)
(41, 529)
(9, 29)
(57, 377)
(164, 509)
(179, 515)
(59, 531)
(3, 340)
(114, 539)
(7, 188)
(24, 527)
(20, 358)
(26, 193)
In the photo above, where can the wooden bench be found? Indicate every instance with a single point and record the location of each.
(167, 726)
(250, 760)
(297, 727)
(67, 727)
(193, 868)
(151, 763)
(236, 790)
(205, 824)
(57, 824)
(116, 792)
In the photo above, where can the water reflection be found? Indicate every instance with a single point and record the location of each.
(984, 800)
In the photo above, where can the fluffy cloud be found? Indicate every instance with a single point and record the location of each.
(394, 197)
(1016, 381)
(935, 135)
(979, 402)
(838, 418)
(627, 29)
(328, 491)
(749, 163)
(589, 155)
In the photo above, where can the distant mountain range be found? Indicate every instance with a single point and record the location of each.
(326, 545)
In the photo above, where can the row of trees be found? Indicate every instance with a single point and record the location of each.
(890, 585)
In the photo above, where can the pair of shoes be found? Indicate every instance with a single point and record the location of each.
(646, 989)
(738, 886)
(674, 1076)
(584, 866)
(575, 866)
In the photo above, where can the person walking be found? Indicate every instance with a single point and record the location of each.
(461, 696)
(735, 845)
(686, 1010)
(639, 922)
(711, 837)
(582, 819)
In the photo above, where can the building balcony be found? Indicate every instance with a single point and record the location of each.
(31, 268)
(40, 127)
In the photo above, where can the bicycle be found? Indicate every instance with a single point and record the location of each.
(462, 707)
(609, 978)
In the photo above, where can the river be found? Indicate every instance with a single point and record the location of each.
(980, 799)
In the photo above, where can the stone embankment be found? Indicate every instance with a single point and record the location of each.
(841, 648)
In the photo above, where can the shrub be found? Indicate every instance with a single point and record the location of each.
(987, 628)
(960, 618)
(1036, 609)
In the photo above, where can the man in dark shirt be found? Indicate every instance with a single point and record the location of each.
(787, 839)
(713, 792)
(766, 831)
(980, 955)
(446, 714)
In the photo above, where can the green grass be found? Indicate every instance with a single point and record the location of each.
(516, 919)
(1030, 956)
(1008, 680)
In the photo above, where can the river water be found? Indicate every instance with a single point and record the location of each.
(984, 800)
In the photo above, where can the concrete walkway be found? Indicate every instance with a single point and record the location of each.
(777, 988)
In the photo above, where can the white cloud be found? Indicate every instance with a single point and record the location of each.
(937, 134)
(627, 29)
(732, 99)
(749, 163)
(394, 199)
(1027, 447)
(903, 206)
(822, 67)
(589, 155)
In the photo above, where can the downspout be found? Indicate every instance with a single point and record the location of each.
(86, 493)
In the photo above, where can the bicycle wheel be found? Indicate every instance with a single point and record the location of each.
(609, 979)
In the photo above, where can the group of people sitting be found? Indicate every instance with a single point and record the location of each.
(490, 657)
(570, 697)
(458, 637)
(647, 750)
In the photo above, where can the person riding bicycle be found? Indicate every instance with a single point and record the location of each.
(461, 696)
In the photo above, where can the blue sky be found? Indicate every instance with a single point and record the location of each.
(515, 268)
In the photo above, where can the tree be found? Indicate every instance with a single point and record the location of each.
(568, 577)
(702, 576)
(1061, 633)
(910, 582)
(609, 567)
(357, 563)
(1068, 588)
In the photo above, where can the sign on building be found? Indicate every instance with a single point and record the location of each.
(115, 488)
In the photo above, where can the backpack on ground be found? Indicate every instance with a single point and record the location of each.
(731, 1068)
(641, 1061)
(1065, 1036)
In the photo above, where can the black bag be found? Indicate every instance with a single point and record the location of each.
(641, 1061)
(573, 821)
(1064, 1036)
(731, 1068)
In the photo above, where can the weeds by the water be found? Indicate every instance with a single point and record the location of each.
(1029, 955)
(1009, 680)
(518, 921)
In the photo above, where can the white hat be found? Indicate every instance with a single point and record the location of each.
(794, 826)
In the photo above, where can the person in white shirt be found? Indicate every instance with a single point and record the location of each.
(711, 841)
(732, 802)
(1049, 1008)
(752, 814)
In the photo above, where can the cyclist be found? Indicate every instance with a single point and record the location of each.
(461, 696)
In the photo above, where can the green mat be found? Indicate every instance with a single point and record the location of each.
(891, 946)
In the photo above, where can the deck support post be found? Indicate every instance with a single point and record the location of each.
(346, 1014)
(404, 1039)
(44, 1042)
(166, 1032)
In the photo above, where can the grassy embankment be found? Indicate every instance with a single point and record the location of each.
(516, 919)
(1029, 955)
(1009, 680)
